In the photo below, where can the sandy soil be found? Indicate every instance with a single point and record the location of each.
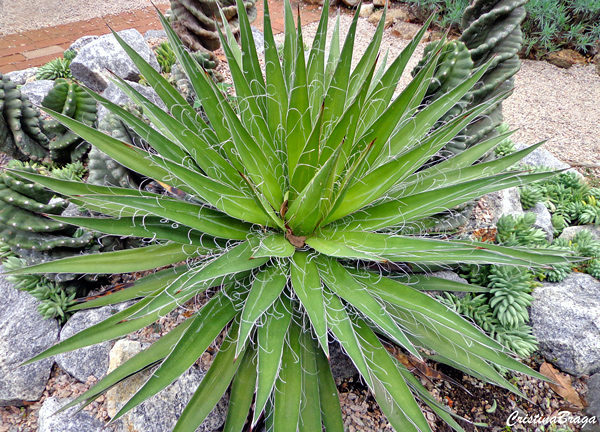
(20, 15)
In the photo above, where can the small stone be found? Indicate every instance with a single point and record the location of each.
(96, 60)
(69, 420)
(392, 16)
(22, 76)
(406, 30)
(379, 3)
(341, 366)
(565, 317)
(366, 10)
(37, 90)
(565, 58)
(593, 396)
(23, 334)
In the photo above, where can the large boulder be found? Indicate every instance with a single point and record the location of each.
(97, 59)
(88, 361)
(117, 96)
(543, 220)
(565, 317)
(20, 77)
(36, 91)
(161, 411)
(23, 334)
(70, 420)
(543, 158)
(570, 232)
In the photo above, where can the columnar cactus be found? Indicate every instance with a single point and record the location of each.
(68, 98)
(21, 136)
(492, 30)
(103, 170)
(194, 21)
(22, 221)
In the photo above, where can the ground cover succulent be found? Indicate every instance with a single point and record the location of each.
(292, 215)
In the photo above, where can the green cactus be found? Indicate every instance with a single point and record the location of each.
(22, 221)
(165, 57)
(103, 170)
(194, 21)
(68, 98)
(21, 135)
(492, 31)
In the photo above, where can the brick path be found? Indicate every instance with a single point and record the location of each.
(36, 47)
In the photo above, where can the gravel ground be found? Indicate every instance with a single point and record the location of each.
(549, 103)
(47, 13)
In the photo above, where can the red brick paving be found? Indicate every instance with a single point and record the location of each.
(37, 47)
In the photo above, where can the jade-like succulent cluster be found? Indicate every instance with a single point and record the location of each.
(568, 198)
(57, 68)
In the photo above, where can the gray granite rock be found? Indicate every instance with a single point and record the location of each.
(569, 232)
(94, 61)
(81, 42)
(542, 157)
(115, 95)
(593, 396)
(20, 77)
(88, 361)
(449, 275)
(155, 34)
(543, 220)
(67, 421)
(341, 365)
(23, 334)
(259, 40)
(494, 205)
(565, 317)
(161, 411)
(37, 90)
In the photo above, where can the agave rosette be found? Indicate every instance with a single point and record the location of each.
(294, 206)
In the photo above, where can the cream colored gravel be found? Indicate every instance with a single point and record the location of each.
(549, 103)
(21, 15)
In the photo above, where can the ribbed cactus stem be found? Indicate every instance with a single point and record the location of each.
(70, 99)
(492, 31)
(21, 136)
(194, 21)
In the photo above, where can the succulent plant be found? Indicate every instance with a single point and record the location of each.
(22, 221)
(593, 268)
(492, 32)
(507, 146)
(519, 231)
(105, 171)
(510, 289)
(57, 68)
(165, 57)
(21, 136)
(530, 196)
(289, 206)
(559, 222)
(68, 98)
(196, 21)
(55, 299)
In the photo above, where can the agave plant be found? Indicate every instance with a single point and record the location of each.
(293, 217)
